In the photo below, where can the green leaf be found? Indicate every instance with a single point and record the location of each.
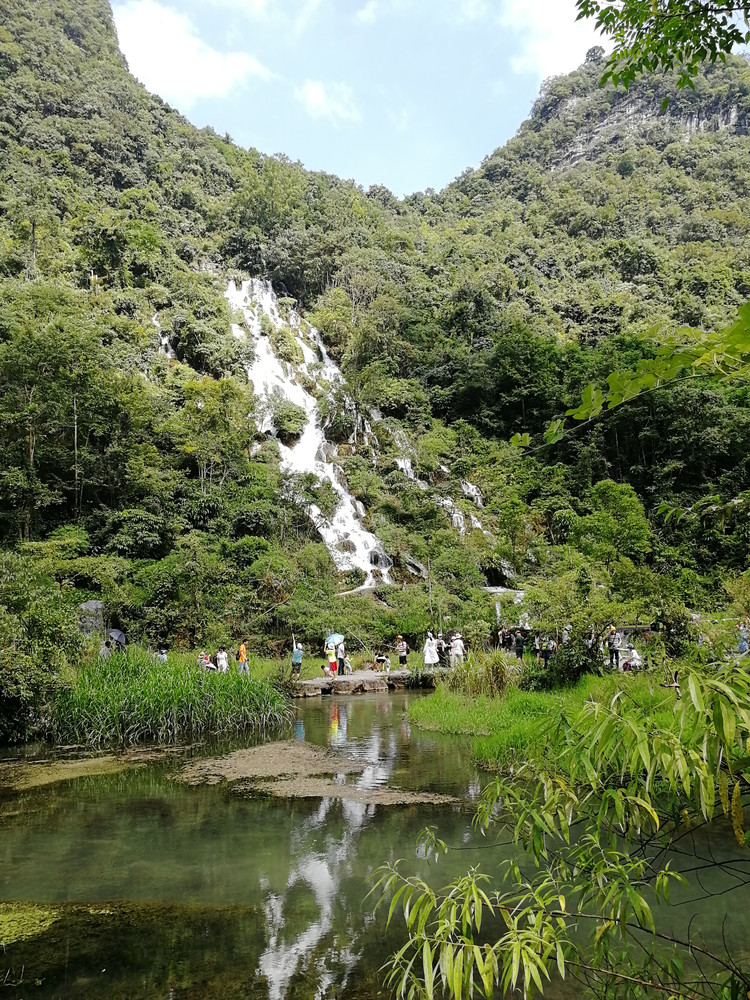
(428, 970)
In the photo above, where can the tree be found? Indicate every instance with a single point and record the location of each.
(215, 428)
(617, 526)
(667, 35)
(605, 814)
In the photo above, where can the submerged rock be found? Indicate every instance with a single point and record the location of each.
(20, 776)
(293, 769)
(20, 921)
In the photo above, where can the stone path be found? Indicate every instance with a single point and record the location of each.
(360, 682)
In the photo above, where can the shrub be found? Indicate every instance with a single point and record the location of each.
(288, 419)
(24, 688)
(567, 666)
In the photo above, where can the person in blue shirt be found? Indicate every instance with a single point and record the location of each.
(297, 658)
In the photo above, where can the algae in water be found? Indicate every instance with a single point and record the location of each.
(19, 921)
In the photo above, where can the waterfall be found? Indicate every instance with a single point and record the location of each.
(473, 492)
(164, 346)
(351, 545)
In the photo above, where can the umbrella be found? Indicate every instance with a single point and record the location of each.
(118, 636)
(335, 638)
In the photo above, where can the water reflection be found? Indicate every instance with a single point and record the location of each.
(295, 868)
(376, 733)
(228, 897)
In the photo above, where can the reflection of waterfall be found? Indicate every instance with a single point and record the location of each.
(349, 542)
(281, 959)
(321, 860)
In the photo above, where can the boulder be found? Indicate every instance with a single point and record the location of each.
(414, 566)
(91, 617)
(359, 683)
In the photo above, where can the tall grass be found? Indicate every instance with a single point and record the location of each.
(511, 729)
(131, 698)
(482, 674)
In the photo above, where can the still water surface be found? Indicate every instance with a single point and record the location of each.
(179, 892)
(186, 892)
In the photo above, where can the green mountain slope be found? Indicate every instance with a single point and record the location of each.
(462, 316)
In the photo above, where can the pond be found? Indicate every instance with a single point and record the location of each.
(148, 886)
(173, 890)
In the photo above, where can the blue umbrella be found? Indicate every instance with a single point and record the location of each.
(335, 638)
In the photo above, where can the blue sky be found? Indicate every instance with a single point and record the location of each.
(406, 93)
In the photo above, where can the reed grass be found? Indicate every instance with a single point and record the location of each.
(131, 699)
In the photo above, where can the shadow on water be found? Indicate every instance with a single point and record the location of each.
(168, 890)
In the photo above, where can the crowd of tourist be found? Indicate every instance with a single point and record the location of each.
(439, 650)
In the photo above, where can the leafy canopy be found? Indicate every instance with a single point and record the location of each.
(667, 35)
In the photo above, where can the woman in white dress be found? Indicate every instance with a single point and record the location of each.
(430, 651)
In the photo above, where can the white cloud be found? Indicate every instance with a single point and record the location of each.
(369, 13)
(165, 52)
(471, 10)
(328, 100)
(550, 39)
(305, 15)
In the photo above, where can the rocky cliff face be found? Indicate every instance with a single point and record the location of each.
(635, 118)
(576, 120)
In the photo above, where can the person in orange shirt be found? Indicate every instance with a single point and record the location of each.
(242, 657)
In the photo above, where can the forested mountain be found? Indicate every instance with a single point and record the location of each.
(461, 316)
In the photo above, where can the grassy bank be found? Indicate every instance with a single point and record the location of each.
(509, 728)
(132, 698)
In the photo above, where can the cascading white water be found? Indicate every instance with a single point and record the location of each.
(164, 346)
(349, 542)
(473, 492)
(457, 516)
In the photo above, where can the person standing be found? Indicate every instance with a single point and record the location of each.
(105, 652)
(442, 650)
(430, 651)
(297, 658)
(222, 660)
(457, 650)
(538, 647)
(519, 646)
(382, 662)
(402, 650)
(341, 656)
(613, 646)
(242, 658)
(331, 657)
(548, 647)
